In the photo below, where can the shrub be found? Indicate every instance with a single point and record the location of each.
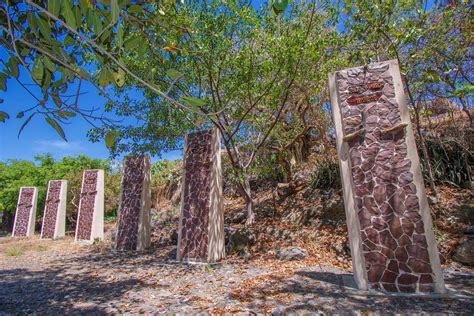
(326, 175)
(14, 251)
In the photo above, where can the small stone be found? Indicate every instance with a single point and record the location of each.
(465, 251)
(291, 253)
(469, 230)
(432, 200)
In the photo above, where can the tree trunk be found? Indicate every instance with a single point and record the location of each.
(424, 149)
(246, 193)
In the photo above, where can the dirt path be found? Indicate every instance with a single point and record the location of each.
(50, 277)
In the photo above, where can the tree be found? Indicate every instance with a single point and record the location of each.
(58, 41)
(259, 78)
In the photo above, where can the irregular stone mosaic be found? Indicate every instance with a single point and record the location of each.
(24, 211)
(132, 202)
(196, 198)
(392, 230)
(51, 209)
(86, 205)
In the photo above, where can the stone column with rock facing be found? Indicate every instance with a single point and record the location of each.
(390, 229)
(201, 222)
(24, 224)
(54, 215)
(133, 228)
(90, 217)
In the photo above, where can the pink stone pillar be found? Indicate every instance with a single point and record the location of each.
(390, 229)
(54, 215)
(24, 225)
(133, 227)
(201, 223)
(90, 217)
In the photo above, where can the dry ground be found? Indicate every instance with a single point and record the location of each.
(51, 277)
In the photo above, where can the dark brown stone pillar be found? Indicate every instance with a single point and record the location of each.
(90, 218)
(390, 229)
(133, 227)
(24, 225)
(54, 215)
(201, 226)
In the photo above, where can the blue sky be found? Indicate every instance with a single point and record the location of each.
(39, 138)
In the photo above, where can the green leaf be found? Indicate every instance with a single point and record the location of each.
(280, 5)
(54, 7)
(56, 99)
(132, 42)
(120, 35)
(68, 40)
(142, 46)
(3, 82)
(66, 114)
(85, 5)
(31, 18)
(119, 78)
(69, 15)
(105, 77)
(13, 67)
(114, 11)
(49, 65)
(97, 23)
(56, 126)
(37, 71)
(46, 80)
(174, 74)
(111, 138)
(24, 124)
(466, 91)
(3, 116)
(45, 28)
(20, 114)
(134, 8)
(77, 15)
(193, 101)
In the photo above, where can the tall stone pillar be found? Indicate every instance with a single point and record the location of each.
(24, 225)
(133, 227)
(201, 223)
(390, 229)
(90, 218)
(54, 215)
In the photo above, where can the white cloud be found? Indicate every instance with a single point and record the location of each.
(59, 147)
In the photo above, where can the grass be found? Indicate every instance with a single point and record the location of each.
(14, 251)
(40, 247)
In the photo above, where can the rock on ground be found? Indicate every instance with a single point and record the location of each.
(291, 253)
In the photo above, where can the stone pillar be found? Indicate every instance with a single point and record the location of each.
(24, 225)
(201, 223)
(54, 215)
(133, 227)
(90, 217)
(390, 229)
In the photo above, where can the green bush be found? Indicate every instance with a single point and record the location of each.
(450, 162)
(326, 175)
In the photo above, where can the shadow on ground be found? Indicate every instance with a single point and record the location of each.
(58, 290)
(329, 294)
(98, 282)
